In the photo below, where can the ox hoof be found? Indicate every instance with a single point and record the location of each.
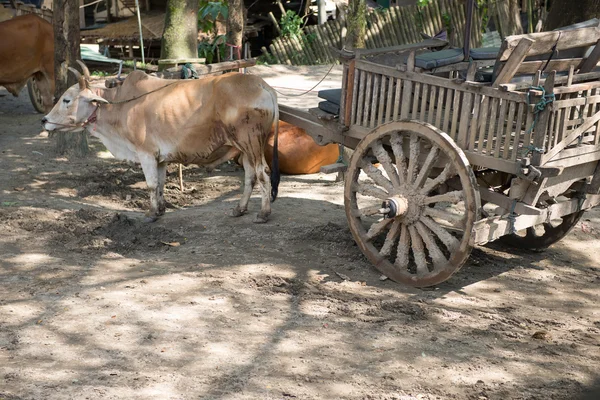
(261, 219)
(238, 212)
(150, 219)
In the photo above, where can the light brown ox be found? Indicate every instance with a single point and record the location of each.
(157, 121)
(26, 50)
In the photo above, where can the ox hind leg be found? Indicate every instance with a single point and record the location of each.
(264, 183)
(249, 181)
(155, 174)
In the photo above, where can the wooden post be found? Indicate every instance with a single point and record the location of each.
(66, 52)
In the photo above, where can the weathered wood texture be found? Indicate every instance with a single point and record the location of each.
(385, 28)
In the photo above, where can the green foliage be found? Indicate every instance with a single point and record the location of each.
(291, 24)
(100, 73)
(212, 50)
(266, 59)
(138, 64)
(209, 12)
(423, 3)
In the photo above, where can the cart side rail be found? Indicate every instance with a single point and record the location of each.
(489, 125)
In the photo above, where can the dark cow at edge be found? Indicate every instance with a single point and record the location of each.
(26, 50)
(157, 121)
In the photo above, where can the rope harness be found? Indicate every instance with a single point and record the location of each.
(540, 106)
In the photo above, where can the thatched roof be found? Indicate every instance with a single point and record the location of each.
(153, 25)
(152, 28)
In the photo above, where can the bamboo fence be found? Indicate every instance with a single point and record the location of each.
(385, 27)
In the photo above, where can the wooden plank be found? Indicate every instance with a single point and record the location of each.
(406, 99)
(531, 67)
(528, 129)
(506, 202)
(490, 229)
(361, 98)
(389, 105)
(542, 123)
(492, 127)
(424, 98)
(433, 90)
(397, 98)
(500, 128)
(482, 124)
(518, 131)
(356, 89)
(440, 107)
(572, 137)
(577, 156)
(591, 61)
(375, 99)
(473, 129)
(453, 132)
(465, 120)
(508, 132)
(545, 41)
(349, 95)
(175, 72)
(440, 81)
(414, 111)
(508, 70)
(382, 97)
(368, 98)
(581, 77)
(448, 109)
(511, 167)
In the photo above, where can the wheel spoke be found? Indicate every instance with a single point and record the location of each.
(378, 227)
(391, 237)
(454, 219)
(403, 248)
(418, 251)
(386, 162)
(413, 159)
(376, 176)
(446, 173)
(426, 167)
(451, 243)
(438, 258)
(396, 141)
(450, 197)
(367, 211)
(370, 190)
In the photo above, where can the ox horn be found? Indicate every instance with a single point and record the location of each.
(84, 68)
(80, 78)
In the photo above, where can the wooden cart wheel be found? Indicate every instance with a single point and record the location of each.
(411, 202)
(540, 237)
(35, 95)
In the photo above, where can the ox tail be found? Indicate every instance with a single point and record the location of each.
(275, 175)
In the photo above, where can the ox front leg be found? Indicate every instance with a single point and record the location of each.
(150, 167)
(264, 182)
(249, 181)
(160, 189)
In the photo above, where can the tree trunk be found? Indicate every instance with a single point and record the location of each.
(566, 12)
(66, 52)
(180, 37)
(235, 26)
(509, 17)
(356, 22)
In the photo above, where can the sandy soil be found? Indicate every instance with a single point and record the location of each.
(94, 304)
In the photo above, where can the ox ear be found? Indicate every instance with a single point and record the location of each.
(95, 99)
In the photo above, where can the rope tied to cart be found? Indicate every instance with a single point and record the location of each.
(545, 100)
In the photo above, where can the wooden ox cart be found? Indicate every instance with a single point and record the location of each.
(452, 156)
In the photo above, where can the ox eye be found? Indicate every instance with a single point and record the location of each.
(66, 101)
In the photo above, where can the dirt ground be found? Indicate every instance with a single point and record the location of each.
(95, 304)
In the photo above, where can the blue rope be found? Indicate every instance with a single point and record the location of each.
(189, 72)
(537, 109)
(512, 217)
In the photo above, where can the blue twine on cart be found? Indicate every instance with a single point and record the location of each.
(540, 106)
(512, 217)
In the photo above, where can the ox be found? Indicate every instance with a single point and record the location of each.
(156, 121)
(27, 50)
(298, 152)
